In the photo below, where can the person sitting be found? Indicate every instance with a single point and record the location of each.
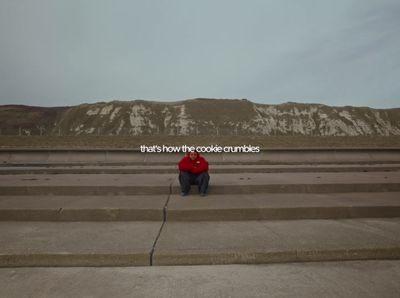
(193, 170)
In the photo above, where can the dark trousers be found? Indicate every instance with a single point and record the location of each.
(201, 180)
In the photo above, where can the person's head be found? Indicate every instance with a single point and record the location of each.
(193, 155)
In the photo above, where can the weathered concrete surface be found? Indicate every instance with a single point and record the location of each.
(218, 168)
(304, 178)
(82, 184)
(82, 180)
(68, 156)
(128, 184)
(165, 179)
(278, 155)
(282, 206)
(196, 208)
(367, 279)
(77, 244)
(83, 208)
(245, 183)
(257, 242)
(113, 197)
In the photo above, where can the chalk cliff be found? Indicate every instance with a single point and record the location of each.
(199, 116)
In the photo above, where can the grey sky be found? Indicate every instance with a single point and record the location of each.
(67, 52)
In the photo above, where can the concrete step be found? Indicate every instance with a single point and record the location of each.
(162, 169)
(138, 184)
(266, 156)
(282, 206)
(83, 208)
(261, 242)
(196, 208)
(25, 244)
(83, 184)
(300, 280)
(29, 244)
(249, 183)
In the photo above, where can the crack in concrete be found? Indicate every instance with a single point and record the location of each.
(162, 226)
(154, 244)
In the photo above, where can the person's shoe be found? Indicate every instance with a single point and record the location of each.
(203, 194)
(183, 194)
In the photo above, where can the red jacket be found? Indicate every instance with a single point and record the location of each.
(196, 166)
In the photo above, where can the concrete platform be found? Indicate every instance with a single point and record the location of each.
(77, 244)
(282, 206)
(83, 208)
(214, 168)
(260, 242)
(365, 279)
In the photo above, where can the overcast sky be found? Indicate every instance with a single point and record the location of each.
(67, 52)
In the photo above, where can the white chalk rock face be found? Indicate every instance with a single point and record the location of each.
(211, 117)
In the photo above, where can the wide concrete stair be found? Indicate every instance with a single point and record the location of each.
(133, 215)
(171, 168)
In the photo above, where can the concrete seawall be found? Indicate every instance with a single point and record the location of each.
(67, 208)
